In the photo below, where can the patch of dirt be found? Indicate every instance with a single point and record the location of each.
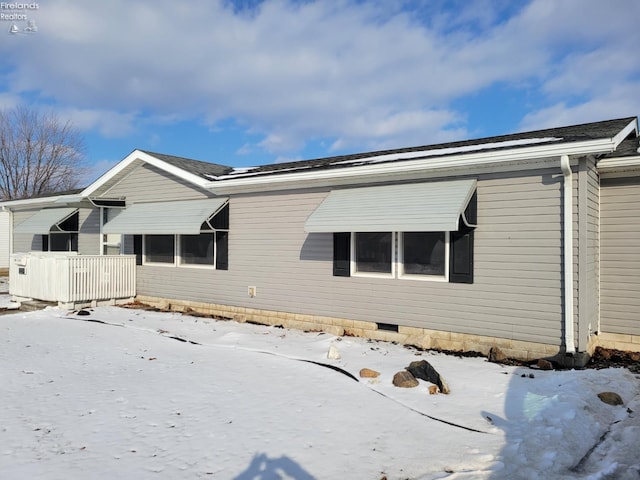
(607, 357)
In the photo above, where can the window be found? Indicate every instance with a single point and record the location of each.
(111, 242)
(197, 249)
(159, 249)
(443, 256)
(424, 253)
(63, 236)
(374, 252)
(209, 248)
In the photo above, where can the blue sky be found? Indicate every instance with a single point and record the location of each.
(255, 82)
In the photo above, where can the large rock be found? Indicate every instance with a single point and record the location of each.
(611, 398)
(404, 379)
(424, 371)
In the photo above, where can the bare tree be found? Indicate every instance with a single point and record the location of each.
(39, 154)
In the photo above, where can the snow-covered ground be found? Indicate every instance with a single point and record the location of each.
(126, 399)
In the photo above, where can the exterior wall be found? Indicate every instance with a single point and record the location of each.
(147, 183)
(620, 256)
(516, 294)
(88, 235)
(4, 239)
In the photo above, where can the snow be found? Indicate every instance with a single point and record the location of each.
(126, 399)
(414, 154)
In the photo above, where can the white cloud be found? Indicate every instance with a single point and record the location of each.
(109, 123)
(356, 73)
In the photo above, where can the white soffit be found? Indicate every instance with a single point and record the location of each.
(415, 207)
(185, 217)
(41, 222)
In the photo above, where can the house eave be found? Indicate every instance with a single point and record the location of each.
(138, 155)
(619, 166)
(37, 202)
(512, 159)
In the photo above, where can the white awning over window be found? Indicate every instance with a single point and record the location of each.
(185, 217)
(41, 222)
(414, 207)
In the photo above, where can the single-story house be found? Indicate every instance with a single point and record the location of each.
(527, 241)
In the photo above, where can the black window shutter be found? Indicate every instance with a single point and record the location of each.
(461, 246)
(342, 254)
(222, 250)
(461, 256)
(137, 248)
(45, 242)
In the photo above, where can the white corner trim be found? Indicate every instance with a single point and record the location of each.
(567, 189)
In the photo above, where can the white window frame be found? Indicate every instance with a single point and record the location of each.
(397, 262)
(158, 264)
(178, 256)
(416, 276)
(103, 236)
(354, 263)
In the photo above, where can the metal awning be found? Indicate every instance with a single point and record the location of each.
(41, 222)
(185, 217)
(415, 207)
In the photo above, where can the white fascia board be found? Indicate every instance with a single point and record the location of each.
(624, 133)
(453, 162)
(36, 202)
(138, 155)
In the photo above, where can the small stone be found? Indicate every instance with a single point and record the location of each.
(368, 373)
(404, 379)
(333, 353)
(610, 398)
(545, 364)
(496, 355)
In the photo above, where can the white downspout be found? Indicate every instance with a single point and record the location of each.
(569, 341)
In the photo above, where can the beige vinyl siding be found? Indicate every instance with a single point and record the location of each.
(516, 292)
(620, 256)
(147, 183)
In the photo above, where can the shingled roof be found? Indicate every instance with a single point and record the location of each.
(551, 136)
(197, 167)
(574, 133)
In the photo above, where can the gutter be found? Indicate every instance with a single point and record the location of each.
(465, 160)
(567, 229)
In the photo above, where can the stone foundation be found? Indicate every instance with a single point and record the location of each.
(418, 337)
(618, 341)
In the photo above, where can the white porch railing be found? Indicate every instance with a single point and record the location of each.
(68, 278)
